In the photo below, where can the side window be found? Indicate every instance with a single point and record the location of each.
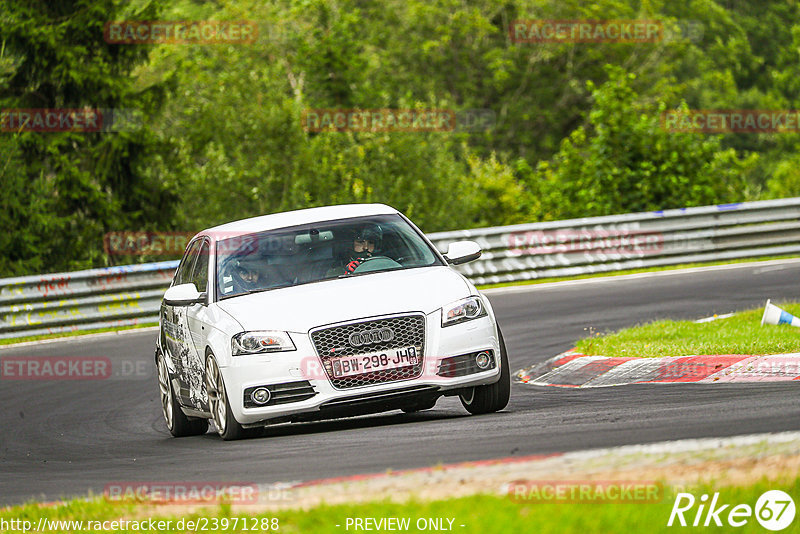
(200, 273)
(184, 273)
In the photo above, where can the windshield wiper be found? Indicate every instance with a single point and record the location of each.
(350, 275)
(250, 292)
(261, 290)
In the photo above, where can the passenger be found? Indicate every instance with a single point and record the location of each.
(248, 276)
(244, 276)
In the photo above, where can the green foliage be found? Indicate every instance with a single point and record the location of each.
(626, 160)
(785, 179)
(577, 130)
(235, 121)
(63, 190)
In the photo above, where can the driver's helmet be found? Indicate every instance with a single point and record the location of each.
(372, 233)
(247, 274)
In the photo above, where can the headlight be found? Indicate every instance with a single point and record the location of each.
(463, 310)
(263, 341)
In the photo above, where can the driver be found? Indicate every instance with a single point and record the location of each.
(364, 243)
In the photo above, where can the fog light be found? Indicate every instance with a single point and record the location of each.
(260, 395)
(483, 360)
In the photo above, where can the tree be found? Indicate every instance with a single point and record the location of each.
(625, 161)
(63, 190)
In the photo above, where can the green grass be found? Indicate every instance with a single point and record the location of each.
(479, 514)
(740, 334)
(74, 333)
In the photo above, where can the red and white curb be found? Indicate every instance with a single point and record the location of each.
(573, 369)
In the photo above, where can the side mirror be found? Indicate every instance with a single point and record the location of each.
(184, 295)
(462, 252)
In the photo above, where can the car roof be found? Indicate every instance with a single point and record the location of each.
(293, 218)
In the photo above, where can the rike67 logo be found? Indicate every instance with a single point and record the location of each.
(774, 510)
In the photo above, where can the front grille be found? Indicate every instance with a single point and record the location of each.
(282, 393)
(463, 365)
(408, 331)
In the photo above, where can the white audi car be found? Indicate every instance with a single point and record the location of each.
(322, 313)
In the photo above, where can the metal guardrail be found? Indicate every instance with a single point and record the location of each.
(631, 241)
(96, 298)
(126, 295)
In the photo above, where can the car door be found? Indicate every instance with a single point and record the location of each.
(176, 338)
(197, 318)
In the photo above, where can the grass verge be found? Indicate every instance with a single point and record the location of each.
(740, 334)
(475, 514)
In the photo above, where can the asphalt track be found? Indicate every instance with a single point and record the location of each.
(66, 438)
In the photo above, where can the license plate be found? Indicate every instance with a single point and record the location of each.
(374, 361)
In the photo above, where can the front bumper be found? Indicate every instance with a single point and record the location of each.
(293, 376)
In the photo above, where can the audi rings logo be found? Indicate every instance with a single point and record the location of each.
(368, 337)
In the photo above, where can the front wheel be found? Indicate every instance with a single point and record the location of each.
(227, 425)
(491, 397)
(178, 424)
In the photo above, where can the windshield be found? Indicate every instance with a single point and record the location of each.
(318, 251)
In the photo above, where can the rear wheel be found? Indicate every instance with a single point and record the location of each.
(491, 397)
(227, 425)
(178, 424)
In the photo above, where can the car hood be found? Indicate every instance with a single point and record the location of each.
(300, 308)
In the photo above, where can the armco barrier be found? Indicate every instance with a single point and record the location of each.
(97, 298)
(631, 241)
(131, 294)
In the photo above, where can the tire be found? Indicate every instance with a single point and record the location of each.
(178, 424)
(227, 425)
(491, 397)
